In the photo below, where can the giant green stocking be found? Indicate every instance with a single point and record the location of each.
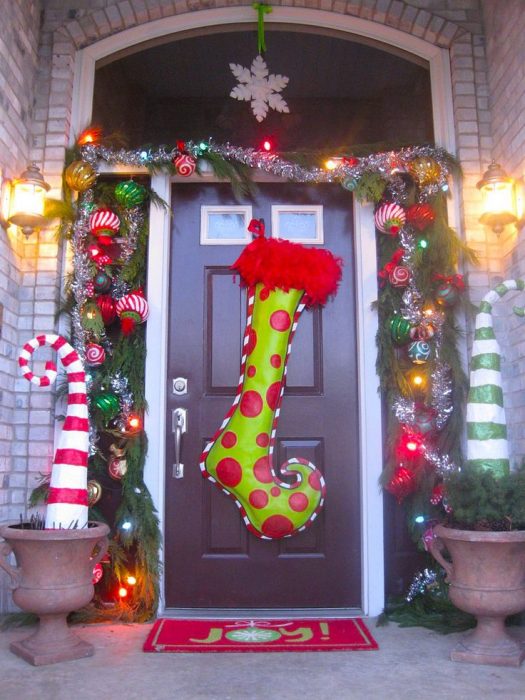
(239, 458)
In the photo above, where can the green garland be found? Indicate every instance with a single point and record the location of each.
(136, 540)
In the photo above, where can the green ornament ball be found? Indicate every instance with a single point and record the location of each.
(129, 194)
(400, 329)
(108, 404)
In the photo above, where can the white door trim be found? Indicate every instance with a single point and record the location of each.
(365, 250)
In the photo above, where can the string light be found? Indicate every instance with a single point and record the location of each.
(126, 525)
(419, 519)
(131, 580)
(267, 145)
(122, 592)
(422, 243)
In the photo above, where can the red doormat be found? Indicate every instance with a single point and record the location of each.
(170, 635)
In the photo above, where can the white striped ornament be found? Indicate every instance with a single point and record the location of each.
(67, 504)
(103, 220)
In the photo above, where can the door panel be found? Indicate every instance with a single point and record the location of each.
(211, 558)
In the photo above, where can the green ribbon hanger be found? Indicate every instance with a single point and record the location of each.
(262, 10)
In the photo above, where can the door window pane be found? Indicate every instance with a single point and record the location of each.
(225, 225)
(301, 224)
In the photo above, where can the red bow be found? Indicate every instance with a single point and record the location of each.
(387, 269)
(256, 226)
(453, 280)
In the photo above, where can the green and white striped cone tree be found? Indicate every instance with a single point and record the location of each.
(487, 445)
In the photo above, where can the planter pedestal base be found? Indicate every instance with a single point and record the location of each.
(53, 641)
(489, 643)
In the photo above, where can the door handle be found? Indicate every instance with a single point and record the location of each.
(179, 426)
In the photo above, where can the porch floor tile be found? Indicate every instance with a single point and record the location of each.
(410, 664)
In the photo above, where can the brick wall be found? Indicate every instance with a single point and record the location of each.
(505, 27)
(18, 66)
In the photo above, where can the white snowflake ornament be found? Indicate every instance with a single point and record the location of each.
(257, 85)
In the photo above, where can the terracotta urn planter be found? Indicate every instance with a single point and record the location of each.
(487, 579)
(53, 578)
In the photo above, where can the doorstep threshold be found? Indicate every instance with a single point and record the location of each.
(260, 613)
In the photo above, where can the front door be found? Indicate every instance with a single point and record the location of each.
(211, 560)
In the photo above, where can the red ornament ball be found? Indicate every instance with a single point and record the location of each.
(402, 483)
(106, 304)
(420, 215)
(185, 164)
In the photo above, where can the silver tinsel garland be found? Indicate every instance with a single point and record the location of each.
(421, 581)
(389, 165)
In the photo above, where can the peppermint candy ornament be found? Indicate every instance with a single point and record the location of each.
(390, 218)
(399, 276)
(95, 354)
(185, 164)
(132, 309)
(104, 224)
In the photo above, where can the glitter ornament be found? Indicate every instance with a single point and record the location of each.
(419, 352)
(104, 224)
(102, 282)
(400, 329)
(185, 164)
(423, 331)
(129, 194)
(425, 171)
(95, 354)
(399, 276)
(106, 305)
(94, 490)
(420, 215)
(389, 218)
(118, 465)
(108, 404)
(132, 309)
(402, 483)
(80, 176)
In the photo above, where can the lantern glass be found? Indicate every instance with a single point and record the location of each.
(28, 199)
(498, 193)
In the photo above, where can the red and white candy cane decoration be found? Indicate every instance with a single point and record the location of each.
(67, 502)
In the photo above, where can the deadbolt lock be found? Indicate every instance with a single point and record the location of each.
(180, 386)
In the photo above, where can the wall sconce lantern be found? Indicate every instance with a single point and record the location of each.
(24, 198)
(499, 198)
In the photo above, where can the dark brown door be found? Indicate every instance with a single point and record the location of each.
(211, 559)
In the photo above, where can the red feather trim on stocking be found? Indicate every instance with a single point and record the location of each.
(281, 264)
